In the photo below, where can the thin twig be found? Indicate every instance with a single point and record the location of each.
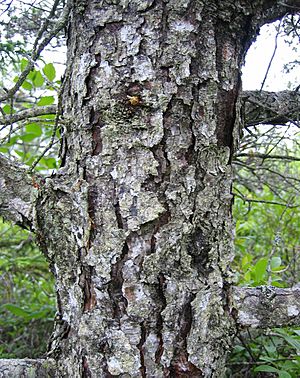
(272, 57)
(267, 156)
(264, 201)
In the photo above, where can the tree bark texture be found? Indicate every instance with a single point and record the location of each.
(137, 224)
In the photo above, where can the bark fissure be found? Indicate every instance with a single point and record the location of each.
(115, 286)
(119, 218)
(143, 368)
(86, 283)
(86, 373)
(159, 321)
(180, 365)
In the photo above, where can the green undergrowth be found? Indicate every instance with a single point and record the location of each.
(267, 253)
(27, 303)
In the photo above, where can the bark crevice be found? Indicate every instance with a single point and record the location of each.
(159, 321)
(115, 286)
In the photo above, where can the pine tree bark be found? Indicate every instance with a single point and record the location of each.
(137, 224)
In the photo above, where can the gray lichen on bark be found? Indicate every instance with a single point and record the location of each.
(155, 161)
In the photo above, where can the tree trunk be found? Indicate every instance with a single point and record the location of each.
(137, 224)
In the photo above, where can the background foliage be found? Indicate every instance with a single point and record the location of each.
(27, 302)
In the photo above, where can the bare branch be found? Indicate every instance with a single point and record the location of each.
(265, 306)
(272, 58)
(271, 107)
(17, 191)
(246, 199)
(274, 10)
(28, 113)
(27, 368)
(267, 156)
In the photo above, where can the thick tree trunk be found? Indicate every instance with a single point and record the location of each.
(140, 240)
(137, 225)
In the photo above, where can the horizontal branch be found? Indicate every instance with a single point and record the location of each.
(270, 107)
(17, 190)
(266, 306)
(276, 9)
(27, 368)
(246, 199)
(267, 156)
(28, 113)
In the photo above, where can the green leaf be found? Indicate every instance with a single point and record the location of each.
(18, 311)
(246, 259)
(275, 262)
(292, 341)
(7, 109)
(260, 269)
(46, 100)
(38, 314)
(278, 283)
(12, 141)
(238, 348)
(23, 64)
(267, 368)
(27, 157)
(49, 71)
(27, 86)
(49, 162)
(28, 137)
(284, 374)
(247, 276)
(31, 75)
(48, 116)
(33, 128)
(38, 79)
(268, 359)
(278, 269)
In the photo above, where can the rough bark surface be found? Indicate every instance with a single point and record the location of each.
(144, 203)
(137, 224)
